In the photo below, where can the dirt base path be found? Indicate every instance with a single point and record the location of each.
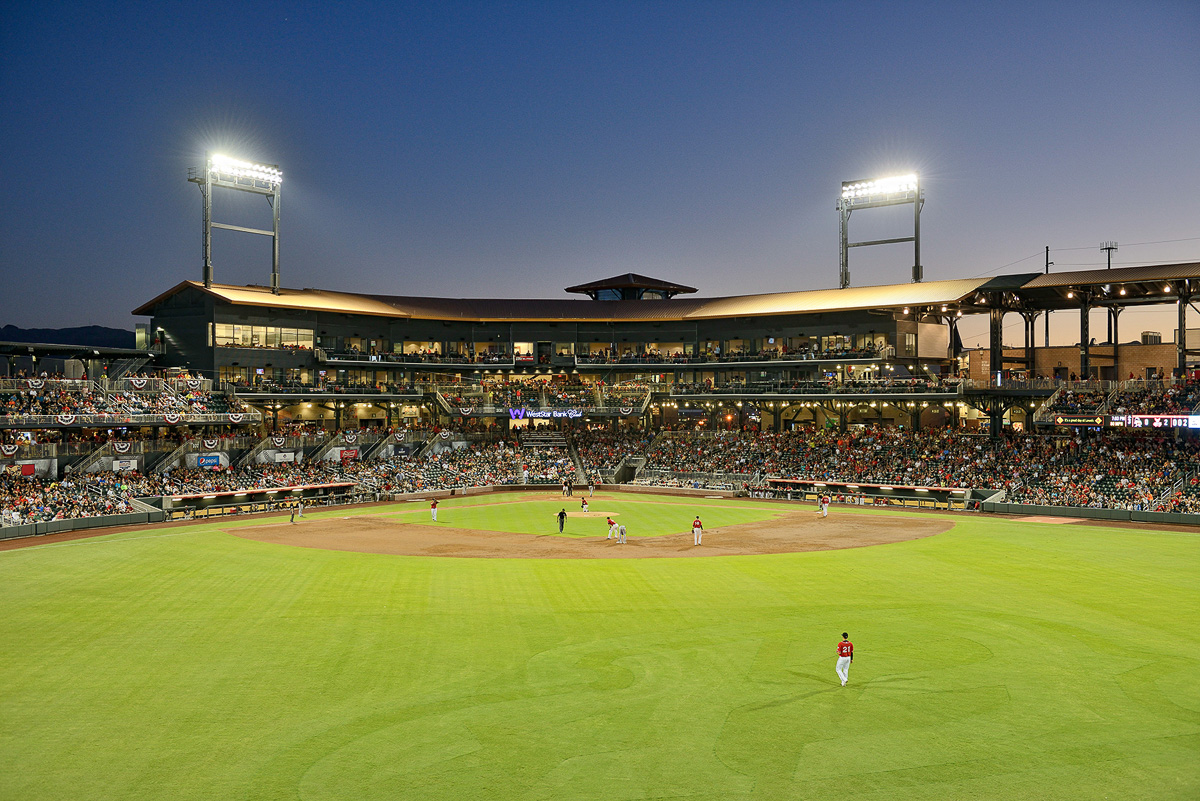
(791, 533)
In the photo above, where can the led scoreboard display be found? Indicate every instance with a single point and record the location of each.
(1155, 420)
(1128, 420)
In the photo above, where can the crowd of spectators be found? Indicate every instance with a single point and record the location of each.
(1078, 401)
(1157, 398)
(55, 398)
(604, 450)
(29, 499)
(1121, 470)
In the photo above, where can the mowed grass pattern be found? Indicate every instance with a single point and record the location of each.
(998, 661)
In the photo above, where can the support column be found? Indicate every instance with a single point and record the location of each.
(996, 342)
(1181, 334)
(1114, 314)
(1030, 320)
(1085, 309)
(996, 419)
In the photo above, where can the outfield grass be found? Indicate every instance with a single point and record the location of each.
(998, 661)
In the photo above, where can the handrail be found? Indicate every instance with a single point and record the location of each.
(110, 420)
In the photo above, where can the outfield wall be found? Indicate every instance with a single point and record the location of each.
(79, 524)
(1124, 515)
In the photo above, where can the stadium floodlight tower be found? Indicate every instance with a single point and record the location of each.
(244, 176)
(872, 194)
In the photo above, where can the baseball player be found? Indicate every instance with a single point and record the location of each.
(612, 528)
(433, 509)
(845, 651)
(562, 520)
(621, 534)
(825, 506)
(583, 504)
(697, 531)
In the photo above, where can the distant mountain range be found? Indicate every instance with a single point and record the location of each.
(94, 335)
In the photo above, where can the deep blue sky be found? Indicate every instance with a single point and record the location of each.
(514, 149)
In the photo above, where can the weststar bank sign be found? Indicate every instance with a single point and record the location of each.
(532, 414)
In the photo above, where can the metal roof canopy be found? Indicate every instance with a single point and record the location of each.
(1027, 292)
(57, 350)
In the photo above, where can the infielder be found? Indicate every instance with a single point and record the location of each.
(583, 505)
(697, 531)
(433, 509)
(612, 528)
(845, 651)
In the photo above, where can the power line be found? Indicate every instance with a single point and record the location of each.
(1134, 244)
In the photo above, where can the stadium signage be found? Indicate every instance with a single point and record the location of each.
(349, 453)
(1079, 419)
(212, 460)
(1156, 420)
(1191, 421)
(543, 414)
(120, 465)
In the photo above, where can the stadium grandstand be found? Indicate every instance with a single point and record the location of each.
(252, 398)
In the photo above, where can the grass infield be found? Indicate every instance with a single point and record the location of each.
(1001, 660)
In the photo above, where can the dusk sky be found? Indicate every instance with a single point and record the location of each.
(513, 149)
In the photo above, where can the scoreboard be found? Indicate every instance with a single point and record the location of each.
(1128, 420)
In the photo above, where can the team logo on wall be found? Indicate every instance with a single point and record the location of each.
(444, 435)
(8, 450)
(350, 437)
(210, 444)
(278, 442)
(236, 417)
(138, 383)
(66, 419)
(626, 410)
(465, 411)
(193, 384)
(36, 383)
(120, 447)
(172, 418)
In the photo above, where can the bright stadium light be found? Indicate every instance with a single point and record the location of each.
(874, 193)
(227, 172)
(225, 165)
(880, 186)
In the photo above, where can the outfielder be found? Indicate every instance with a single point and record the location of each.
(845, 651)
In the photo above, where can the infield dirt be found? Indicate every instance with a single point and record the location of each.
(790, 533)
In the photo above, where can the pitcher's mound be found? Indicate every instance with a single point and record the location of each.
(790, 533)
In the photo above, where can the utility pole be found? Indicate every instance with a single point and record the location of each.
(1109, 247)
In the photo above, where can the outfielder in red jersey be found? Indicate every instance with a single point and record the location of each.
(845, 651)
